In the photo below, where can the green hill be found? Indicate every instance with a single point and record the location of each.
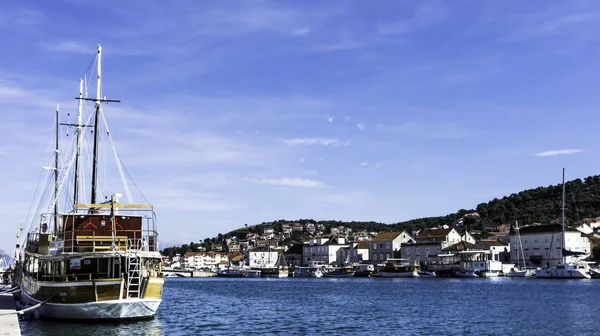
(539, 205)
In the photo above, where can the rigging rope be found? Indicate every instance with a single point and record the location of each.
(118, 161)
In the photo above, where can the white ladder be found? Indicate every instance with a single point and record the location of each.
(133, 276)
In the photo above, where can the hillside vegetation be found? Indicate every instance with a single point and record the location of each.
(539, 205)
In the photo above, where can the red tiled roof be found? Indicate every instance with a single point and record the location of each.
(386, 236)
(497, 234)
(493, 242)
(433, 233)
(363, 244)
(461, 246)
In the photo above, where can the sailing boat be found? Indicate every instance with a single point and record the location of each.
(516, 271)
(578, 270)
(97, 260)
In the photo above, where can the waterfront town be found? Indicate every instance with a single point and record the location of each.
(449, 250)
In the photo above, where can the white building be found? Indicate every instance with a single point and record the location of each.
(262, 258)
(499, 251)
(323, 249)
(542, 245)
(419, 252)
(387, 245)
(445, 237)
(466, 236)
(355, 253)
(201, 260)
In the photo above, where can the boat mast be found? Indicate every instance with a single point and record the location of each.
(56, 174)
(563, 217)
(78, 149)
(96, 119)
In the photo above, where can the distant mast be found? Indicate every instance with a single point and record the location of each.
(96, 119)
(563, 219)
(56, 173)
(78, 149)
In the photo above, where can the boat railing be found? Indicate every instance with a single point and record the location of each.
(89, 241)
(68, 277)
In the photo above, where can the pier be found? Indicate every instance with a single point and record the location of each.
(9, 320)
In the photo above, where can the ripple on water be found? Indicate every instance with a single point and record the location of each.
(221, 306)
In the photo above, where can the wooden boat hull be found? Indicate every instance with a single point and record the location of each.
(412, 274)
(130, 309)
(91, 299)
(339, 274)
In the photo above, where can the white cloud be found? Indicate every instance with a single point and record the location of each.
(316, 141)
(559, 152)
(71, 47)
(423, 16)
(330, 119)
(302, 159)
(360, 126)
(429, 130)
(364, 164)
(301, 31)
(288, 182)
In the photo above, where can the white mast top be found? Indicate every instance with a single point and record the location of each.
(99, 81)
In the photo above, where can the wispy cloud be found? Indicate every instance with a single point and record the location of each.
(301, 31)
(559, 152)
(330, 119)
(288, 182)
(71, 47)
(364, 164)
(360, 126)
(429, 130)
(20, 17)
(316, 141)
(422, 17)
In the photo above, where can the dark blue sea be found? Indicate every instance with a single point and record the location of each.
(360, 306)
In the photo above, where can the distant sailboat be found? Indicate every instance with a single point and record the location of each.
(519, 271)
(564, 270)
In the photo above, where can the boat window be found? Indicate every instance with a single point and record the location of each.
(102, 265)
(75, 264)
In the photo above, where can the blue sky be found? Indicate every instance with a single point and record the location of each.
(251, 111)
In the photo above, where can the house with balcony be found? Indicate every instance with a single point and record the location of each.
(387, 245)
